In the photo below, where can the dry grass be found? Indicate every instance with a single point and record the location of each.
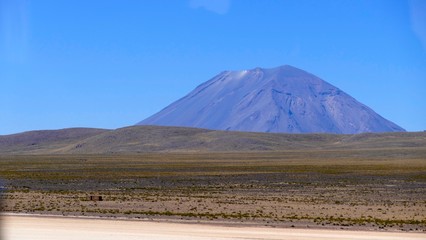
(349, 188)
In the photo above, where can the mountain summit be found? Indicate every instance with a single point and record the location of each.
(282, 99)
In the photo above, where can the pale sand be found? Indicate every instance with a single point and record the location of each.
(65, 228)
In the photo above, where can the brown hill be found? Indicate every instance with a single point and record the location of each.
(44, 141)
(143, 139)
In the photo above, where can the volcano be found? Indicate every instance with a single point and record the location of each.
(282, 99)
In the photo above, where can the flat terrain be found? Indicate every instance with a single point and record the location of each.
(358, 182)
(48, 228)
(366, 189)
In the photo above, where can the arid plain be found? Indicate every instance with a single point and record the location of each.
(376, 184)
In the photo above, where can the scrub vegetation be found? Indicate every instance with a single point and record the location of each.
(375, 188)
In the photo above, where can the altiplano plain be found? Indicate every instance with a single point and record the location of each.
(349, 189)
(345, 182)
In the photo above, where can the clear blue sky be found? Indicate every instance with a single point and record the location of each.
(110, 64)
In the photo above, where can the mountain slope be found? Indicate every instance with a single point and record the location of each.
(282, 99)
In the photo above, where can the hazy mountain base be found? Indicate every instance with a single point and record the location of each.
(356, 188)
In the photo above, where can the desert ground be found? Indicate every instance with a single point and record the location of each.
(52, 228)
(359, 189)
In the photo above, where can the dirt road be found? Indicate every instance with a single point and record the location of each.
(49, 228)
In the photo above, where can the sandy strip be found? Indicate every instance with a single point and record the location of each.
(53, 228)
